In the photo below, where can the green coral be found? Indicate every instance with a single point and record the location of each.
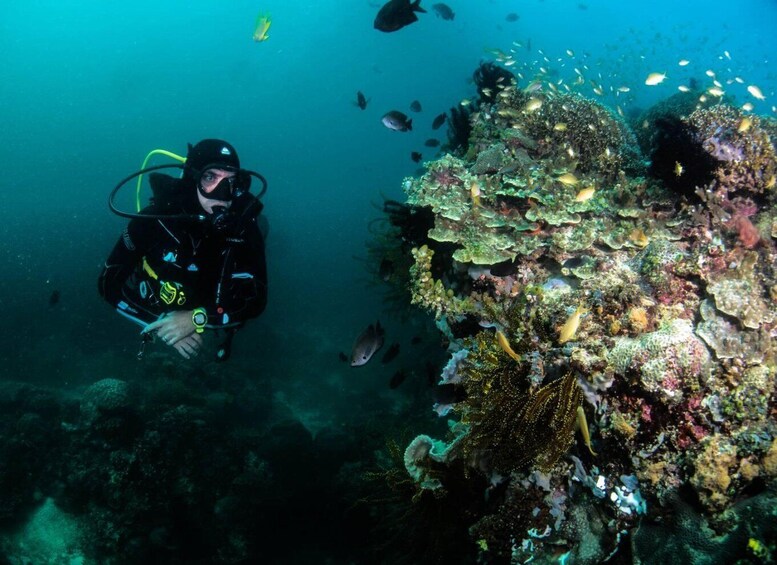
(729, 341)
(750, 398)
(739, 293)
(668, 361)
(431, 293)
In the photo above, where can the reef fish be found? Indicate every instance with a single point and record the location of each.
(386, 269)
(397, 378)
(585, 194)
(443, 11)
(396, 14)
(439, 121)
(582, 423)
(367, 344)
(755, 92)
(569, 329)
(431, 142)
(501, 339)
(512, 17)
(361, 100)
(415, 106)
(54, 298)
(655, 78)
(533, 104)
(567, 179)
(261, 28)
(397, 121)
(416, 156)
(391, 354)
(744, 124)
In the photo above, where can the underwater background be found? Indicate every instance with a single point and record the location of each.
(89, 88)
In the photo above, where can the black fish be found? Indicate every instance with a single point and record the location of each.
(416, 340)
(416, 156)
(390, 354)
(512, 17)
(444, 11)
(397, 14)
(54, 298)
(386, 269)
(415, 106)
(397, 121)
(342, 356)
(361, 101)
(432, 142)
(397, 378)
(439, 121)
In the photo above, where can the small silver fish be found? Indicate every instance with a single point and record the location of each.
(367, 344)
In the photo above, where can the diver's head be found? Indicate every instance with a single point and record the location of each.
(213, 166)
(215, 188)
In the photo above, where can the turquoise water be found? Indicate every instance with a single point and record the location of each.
(88, 88)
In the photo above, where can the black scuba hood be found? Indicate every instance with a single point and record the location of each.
(209, 153)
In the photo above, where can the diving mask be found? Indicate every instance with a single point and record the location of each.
(219, 182)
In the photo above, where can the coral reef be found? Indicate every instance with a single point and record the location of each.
(640, 311)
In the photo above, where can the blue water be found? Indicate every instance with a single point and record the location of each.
(89, 87)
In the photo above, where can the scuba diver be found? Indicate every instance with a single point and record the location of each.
(194, 259)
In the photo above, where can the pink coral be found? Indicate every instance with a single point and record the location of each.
(446, 177)
(747, 232)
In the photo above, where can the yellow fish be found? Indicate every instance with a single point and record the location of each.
(678, 169)
(655, 78)
(567, 179)
(561, 126)
(569, 329)
(745, 124)
(533, 104)
(474, 192)
(585, 194)
(639, 238)
(261, 28)
(501, 339)
(582, 423)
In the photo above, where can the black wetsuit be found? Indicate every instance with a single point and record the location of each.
(159, 265)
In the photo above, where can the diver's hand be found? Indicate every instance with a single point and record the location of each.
(172, 327)
(189, 346)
